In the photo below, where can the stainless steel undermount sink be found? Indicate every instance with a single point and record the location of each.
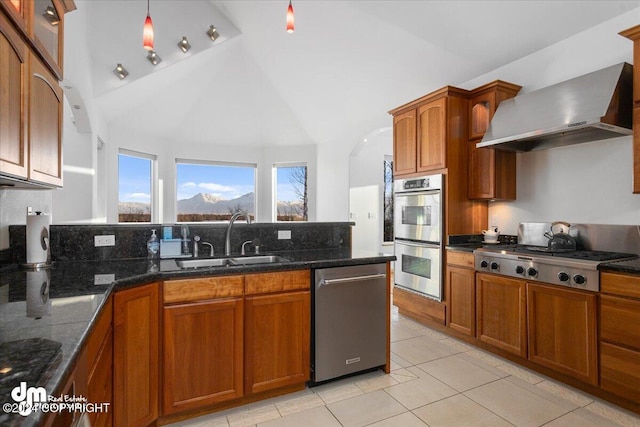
(258, 259)
(224, 262)
(202, 263)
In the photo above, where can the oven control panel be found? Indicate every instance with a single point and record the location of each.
(539, 270)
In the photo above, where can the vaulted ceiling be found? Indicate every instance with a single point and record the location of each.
(331, 81)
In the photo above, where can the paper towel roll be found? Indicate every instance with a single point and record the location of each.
(38, 238)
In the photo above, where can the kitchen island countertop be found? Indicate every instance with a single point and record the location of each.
(59, 317)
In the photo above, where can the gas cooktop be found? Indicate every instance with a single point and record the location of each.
(577, 269)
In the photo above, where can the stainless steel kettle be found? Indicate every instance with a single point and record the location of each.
(561, 241)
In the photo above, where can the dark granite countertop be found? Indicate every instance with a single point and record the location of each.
(630, 266)
(43, 328)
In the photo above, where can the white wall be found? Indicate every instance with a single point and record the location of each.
(367, 190)
(585, 183)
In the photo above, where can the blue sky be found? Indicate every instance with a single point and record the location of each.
(227, 182)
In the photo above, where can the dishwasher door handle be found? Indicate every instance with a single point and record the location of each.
(324, 282)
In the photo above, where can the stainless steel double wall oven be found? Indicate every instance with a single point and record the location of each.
(418, 213)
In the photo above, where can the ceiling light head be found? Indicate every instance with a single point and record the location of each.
(184, 44)
(120, 71)
(51, 16)
(213, 33)
(290, 19)
(153, 57)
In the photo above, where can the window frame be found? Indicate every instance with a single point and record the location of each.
(274, 189)
(389, 159)
(179, 160)
(153, 190)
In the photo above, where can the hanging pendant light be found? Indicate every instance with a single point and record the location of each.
(290, 18)
(147, 32)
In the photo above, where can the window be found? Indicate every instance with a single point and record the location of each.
(388, 200)
(135, 188)
(291, 201)
(214, 191)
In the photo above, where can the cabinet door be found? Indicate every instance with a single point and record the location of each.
(432, 135)
(136, 355)
(203, 351)
(461, 300)
(481, 111)
(19, 10)
(48, 31)
(562, 331)
(277, 333)
(45, 126)
(501, 312)
(619, 371)
(404, 143)
(13, 96)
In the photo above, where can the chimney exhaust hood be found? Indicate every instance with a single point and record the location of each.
(588, 108)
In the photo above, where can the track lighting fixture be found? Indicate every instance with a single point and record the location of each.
(153, 57)
(184, 44)
(51, 16)
(212, 32)
(120, 71)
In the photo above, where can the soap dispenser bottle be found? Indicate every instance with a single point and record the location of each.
(153, 245)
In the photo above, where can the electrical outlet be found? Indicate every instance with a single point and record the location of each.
(104, 240)
(103, 279)
(284, 234)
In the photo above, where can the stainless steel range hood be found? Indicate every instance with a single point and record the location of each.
(588, 108)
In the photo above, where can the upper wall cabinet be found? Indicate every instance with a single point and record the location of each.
(48, 30)
(634, 35)
(31, 102)
(492, 173)
(404, 143)
(13, 87)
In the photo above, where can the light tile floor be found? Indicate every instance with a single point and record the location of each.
(435, 381)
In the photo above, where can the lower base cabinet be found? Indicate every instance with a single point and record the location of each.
(461, 293)
(136, 355)
(277, 334)
(562, 331)
(203, 354)
(501, 310)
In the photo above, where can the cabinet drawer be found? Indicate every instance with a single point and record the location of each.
(620, 284)
(202, 288)
(461, 259)
(620, 321)
(619, 371)
(277, 282)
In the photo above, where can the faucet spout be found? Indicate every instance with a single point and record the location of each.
(227, 241)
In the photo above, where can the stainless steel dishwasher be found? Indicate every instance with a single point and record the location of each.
(349, 320)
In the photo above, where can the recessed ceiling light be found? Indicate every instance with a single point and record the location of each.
(184, 44)
(153, 57)
(120, 71)
(212, 32)
(76, 106)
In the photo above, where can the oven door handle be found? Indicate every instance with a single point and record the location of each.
(418, 245)
(417, 193)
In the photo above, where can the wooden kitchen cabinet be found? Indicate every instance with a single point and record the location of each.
(461, 292)
(203, 353)
(492, 173)
(48, 33)
(634, 35)
(45, 126)
(404, 143)
(136, 355)
(277, 330)
(501, 313)
(14, 80)
(432, 135)
(620, 335)
(76, 385)
(562, 330)
(100, 361)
